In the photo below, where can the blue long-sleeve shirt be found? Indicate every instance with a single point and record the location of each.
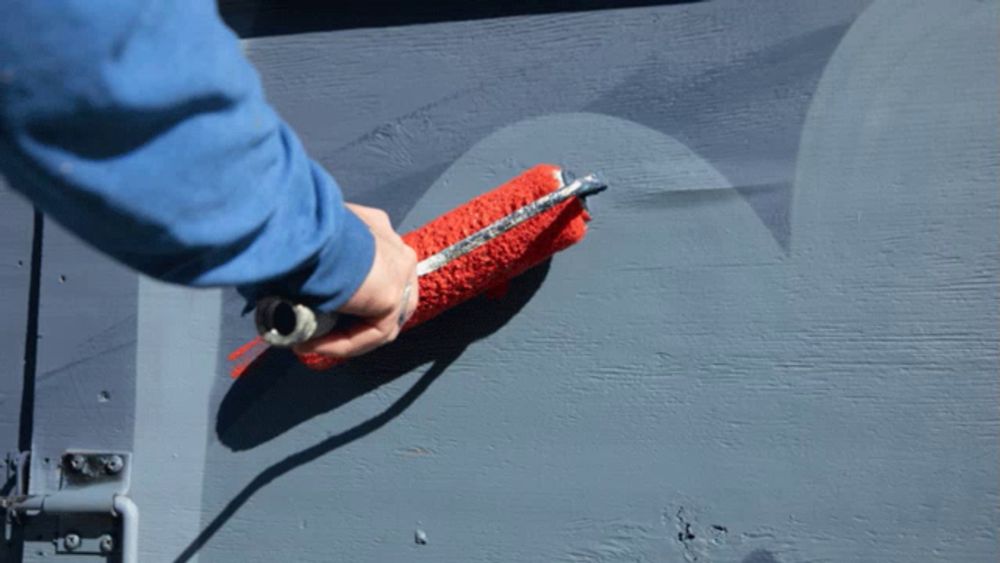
(142, 128)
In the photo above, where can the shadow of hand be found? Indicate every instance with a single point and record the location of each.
(277, 393)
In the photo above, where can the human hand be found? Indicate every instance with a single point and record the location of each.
(384, 301)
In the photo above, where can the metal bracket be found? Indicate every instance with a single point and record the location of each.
(17, 471)
(91, 482)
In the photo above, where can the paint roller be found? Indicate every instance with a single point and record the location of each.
(477, 246)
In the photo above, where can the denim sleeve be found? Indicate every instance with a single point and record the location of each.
(142, 128)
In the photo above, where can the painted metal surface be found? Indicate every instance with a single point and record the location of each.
(84, 380)
(16, 227)
(16, 237)
(777, 344)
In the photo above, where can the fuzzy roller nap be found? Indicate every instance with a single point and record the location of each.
(484, 243)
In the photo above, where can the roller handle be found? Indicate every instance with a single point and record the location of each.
(285, 323)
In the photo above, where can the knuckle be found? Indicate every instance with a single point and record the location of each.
(387, 327)
(387, 302)
(392, 335)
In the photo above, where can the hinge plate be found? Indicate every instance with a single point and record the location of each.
(83, 506)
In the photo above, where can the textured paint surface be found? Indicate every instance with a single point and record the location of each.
(16, 226)
(85, 380)
(178, 334)
(777, 343)
(15, 272)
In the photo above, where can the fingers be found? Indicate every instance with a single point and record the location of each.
(386, 299)
(355, 341)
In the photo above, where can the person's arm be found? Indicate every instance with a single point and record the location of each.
(142, 128)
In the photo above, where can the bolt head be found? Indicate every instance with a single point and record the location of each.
(114, 464)
(71, 541)
(77, 462)
(106, 543)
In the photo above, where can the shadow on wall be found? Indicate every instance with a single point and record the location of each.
(255, 18)
(277, 393)
(760, 556)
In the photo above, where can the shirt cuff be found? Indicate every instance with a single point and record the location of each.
(332, 277)
(342, 267)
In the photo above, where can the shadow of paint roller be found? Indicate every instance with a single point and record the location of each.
(473, 249)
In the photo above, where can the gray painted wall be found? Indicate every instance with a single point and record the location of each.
(16, 233)
(777, 344)
(15, 272)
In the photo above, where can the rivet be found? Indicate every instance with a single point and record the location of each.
(106, 543)
(71, 542)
